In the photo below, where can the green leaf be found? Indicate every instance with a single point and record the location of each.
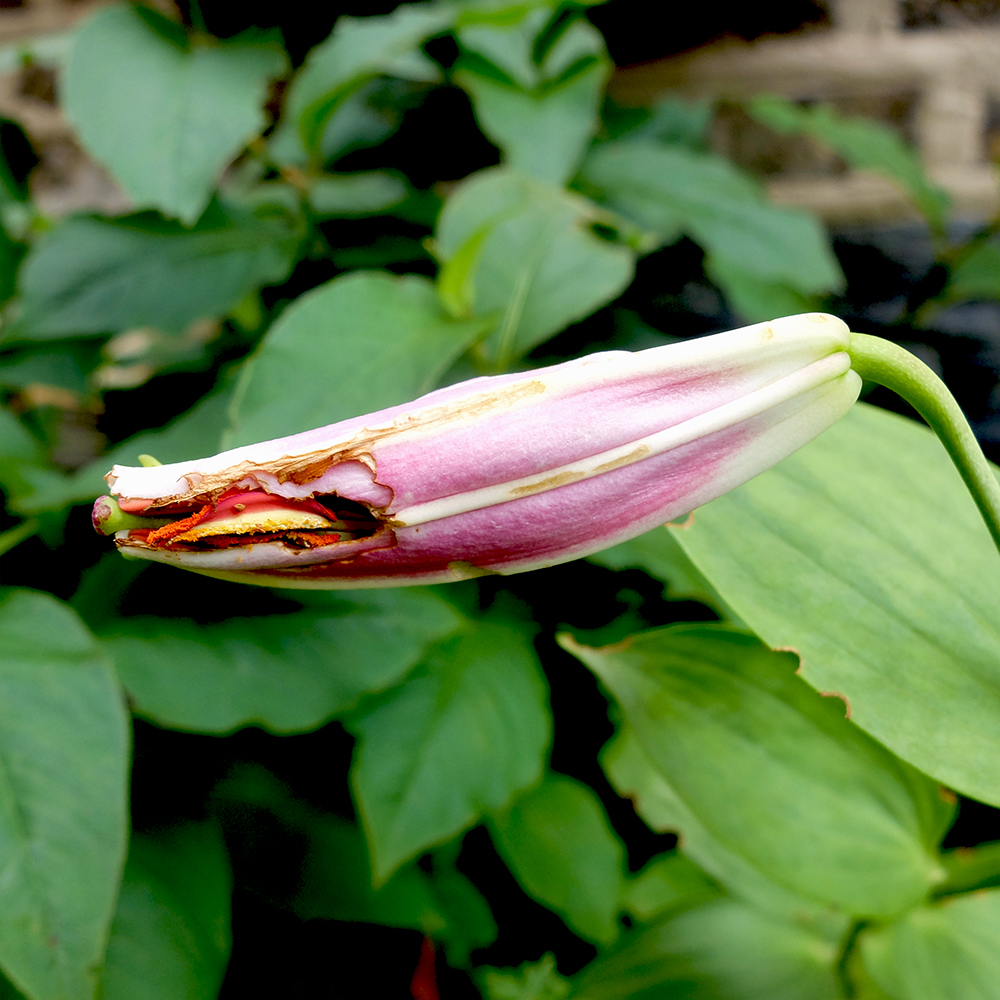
(287, 673)
(507, 43)
(544, 118)
(194, 433)
(170, 936)
(557, 841)
(673, 190)
(469, 920)
(165, 113)
(337, 883)
(360, 49)
(65, 365)
(456, 280)
(92, 275)
(771, 769)
(333, 195)
(866, 144)
(13, 537)
(724, 950)
(673, 121)
(11, 254)
(659, 554)
(668, 884)
(971, 868)
(460, 738)
(635, 776)
(939, 952)
(977, 276)
(540, 267)
(544, 136)
(18, 446)
(362, 118)
(25, 469)
(356, 344)
(336, 880)
(531, 981)
(755, 299)
(64, 754)
(865, 553)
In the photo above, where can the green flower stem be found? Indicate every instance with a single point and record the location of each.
(887, 364)
(108, 518)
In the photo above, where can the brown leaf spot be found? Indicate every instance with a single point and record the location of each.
(947, 795)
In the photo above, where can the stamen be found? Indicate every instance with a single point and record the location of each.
(168, 531)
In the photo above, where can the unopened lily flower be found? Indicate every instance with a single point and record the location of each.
(496, 475)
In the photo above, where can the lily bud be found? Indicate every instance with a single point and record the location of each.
(494, 475)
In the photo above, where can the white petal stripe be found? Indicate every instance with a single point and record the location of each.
(727, 415)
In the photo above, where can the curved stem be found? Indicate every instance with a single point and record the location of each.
(888, 364)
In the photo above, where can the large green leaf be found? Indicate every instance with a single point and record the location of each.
(724, 950)
(170, 937)
(287, 672)
(542, 113)
(538, 265)
(165, 113)
(356, 344)
(672, 190)
(64, 752)
(360, 49)
(636, 776)
(92, 275)
(865, 553)
(864, 143)
(942, 952)
(460, 738)
(558, 843)
(772, 770)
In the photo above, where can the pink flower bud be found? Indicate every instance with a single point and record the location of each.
(495, 475)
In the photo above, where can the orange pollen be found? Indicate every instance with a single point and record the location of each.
(168, 531)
